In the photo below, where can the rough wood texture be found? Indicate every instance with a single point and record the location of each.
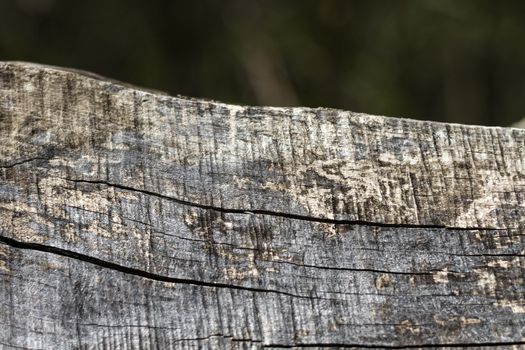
(133, 220)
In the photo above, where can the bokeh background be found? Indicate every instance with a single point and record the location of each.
(447, 60)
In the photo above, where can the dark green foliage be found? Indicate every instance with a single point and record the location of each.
(442, 60)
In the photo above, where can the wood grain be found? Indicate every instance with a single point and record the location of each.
(131, 219)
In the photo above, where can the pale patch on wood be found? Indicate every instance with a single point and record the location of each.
(407, 327)
(517, 307)
(4, 258)
(486, 280)
(234, 274)
(504, 264)
(462, 320)
(383, 281)
(441, 276)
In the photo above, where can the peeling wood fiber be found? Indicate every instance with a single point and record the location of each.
(131, 219)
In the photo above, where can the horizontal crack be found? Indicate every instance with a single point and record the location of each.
(377, 346)
(11, 346)
(133, 271)
(196, 339)
(12, 165)
(351, 269)
(276, 213)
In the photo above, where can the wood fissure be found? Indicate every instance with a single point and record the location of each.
(109, 265)
(280, 214)
(20, 162)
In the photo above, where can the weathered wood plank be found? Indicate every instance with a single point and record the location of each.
(162, 222)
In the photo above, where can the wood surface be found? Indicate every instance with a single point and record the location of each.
(130, 219)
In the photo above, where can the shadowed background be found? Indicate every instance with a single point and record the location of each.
(446, 60)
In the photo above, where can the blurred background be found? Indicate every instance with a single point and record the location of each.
(446, 60)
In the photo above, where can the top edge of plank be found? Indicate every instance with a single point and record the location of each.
(94, 76)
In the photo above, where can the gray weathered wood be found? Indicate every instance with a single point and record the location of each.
(130, 219)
